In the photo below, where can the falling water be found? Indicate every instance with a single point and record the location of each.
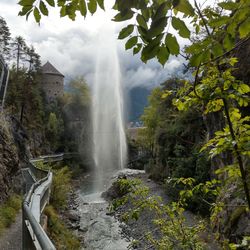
(108, 121)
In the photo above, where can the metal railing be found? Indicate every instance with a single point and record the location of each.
(37, 189)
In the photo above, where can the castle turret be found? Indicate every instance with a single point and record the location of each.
(52, 82)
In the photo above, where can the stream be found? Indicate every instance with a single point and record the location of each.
(101, 231)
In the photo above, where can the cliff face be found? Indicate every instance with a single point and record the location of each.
(9, 160)
(14, 154)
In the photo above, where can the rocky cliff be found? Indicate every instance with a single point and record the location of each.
(12, 156)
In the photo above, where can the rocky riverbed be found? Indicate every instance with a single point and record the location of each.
(98, 228)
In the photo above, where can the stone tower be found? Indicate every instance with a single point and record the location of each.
(52, 82)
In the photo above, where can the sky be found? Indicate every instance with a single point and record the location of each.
(71, 45)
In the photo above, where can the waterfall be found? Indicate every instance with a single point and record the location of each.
(109, 147)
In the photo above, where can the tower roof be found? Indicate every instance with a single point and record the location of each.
(48, 68)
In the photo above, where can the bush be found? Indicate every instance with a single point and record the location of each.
(60, 187)
(8, 211)
(61, 236)
(15, 202)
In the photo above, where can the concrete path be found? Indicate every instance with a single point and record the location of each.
(11, 239)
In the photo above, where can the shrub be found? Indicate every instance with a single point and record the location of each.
(61, 236)
(60, 187)
(8, 211)
(168, 218)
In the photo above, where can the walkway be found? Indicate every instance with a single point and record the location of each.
(11, 239)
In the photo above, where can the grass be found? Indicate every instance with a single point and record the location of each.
(61, 236)
(8, 211)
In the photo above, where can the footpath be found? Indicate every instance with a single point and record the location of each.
(11, 238)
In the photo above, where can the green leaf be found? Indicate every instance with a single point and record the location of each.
(175, 3)
(123, 16)
(26, 2)
(137, 49)
(163, 55)
(146, 13)
(172, 44)
(83, 7)
(43, 8)
(229, 5)
(37, 15)
(161, 11)
(228, 42)
(122, 5)
(51, 2)
(181, 27)
(63, 11)
(71, 11)
(144, 34)
(61, 3)
(244, 28)
(131, 42)
(125, 32)
(218, 22)
(185, 7)
(195, 60)
(141, 21)
(214, 106)
(25, 10)
(151, 50)
(101, 4)
(243, 88)
(157, 27)
(92, 6)
(217, 50)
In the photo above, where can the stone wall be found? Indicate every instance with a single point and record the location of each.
(52, 85)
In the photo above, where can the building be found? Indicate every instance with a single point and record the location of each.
(52, 82)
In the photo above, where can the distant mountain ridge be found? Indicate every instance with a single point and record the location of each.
(137, 101)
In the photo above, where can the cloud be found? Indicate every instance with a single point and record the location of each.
(71, 46)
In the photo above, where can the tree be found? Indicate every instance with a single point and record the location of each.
(76, 115)
(33, 59)
(19, 48)
(220, 31)
(217, 33)
(54, 130)
(4, 38)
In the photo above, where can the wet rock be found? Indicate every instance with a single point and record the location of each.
(110, 213)
(83, 229)
(114, 191)
(73, 215)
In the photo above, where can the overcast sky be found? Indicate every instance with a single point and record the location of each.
(71, 46)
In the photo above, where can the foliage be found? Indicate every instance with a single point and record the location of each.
(176, 135)
(24, 99)
(9, 210)
(168, 218)
(60, 235)
(54, 130)
(60, 187)
(4, 38)
(75, 110)
(155, 19)
(216, 33)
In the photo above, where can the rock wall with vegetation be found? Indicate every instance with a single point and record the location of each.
(9, 160)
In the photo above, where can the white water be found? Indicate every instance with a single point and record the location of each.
(109, 146)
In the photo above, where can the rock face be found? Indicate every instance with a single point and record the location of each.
(233, 222)
(9, 160)
(14, 154)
